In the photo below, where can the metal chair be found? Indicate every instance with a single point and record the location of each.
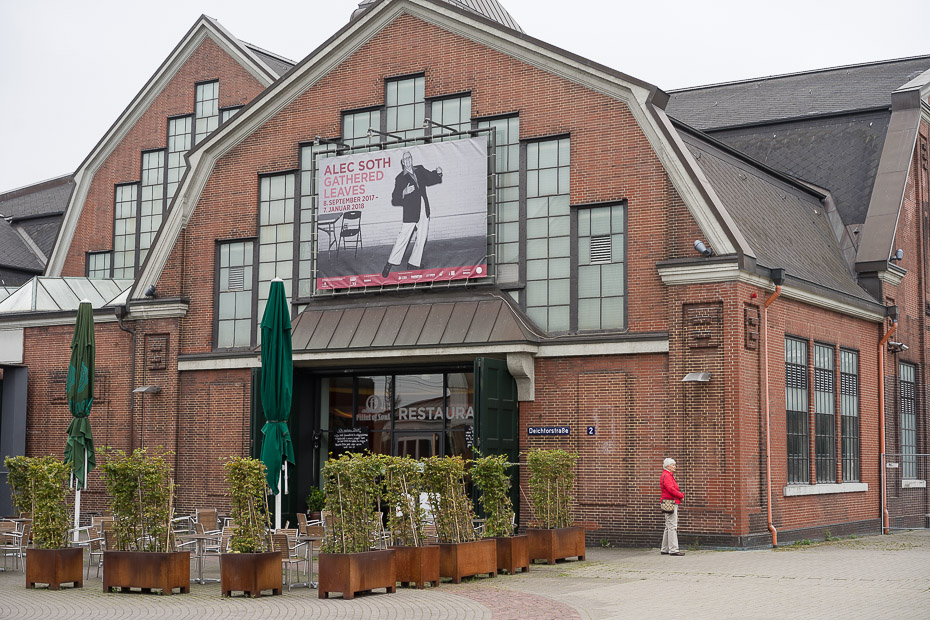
(96, 546)
(209, 519)
(289, 555)
(15, 543)
(351, 231)
(313, 548)
(302, 523)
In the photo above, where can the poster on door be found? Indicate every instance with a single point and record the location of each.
(401, 216)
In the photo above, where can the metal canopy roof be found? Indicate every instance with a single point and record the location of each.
(44, 294)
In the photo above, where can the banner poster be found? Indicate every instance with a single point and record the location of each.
(406, 215)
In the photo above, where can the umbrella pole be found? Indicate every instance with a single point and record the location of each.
(277, 505)
(77, 510)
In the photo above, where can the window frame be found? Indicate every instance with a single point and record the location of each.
(197, 84)
(218, 243)
(823, 473)
(575, 264)
(802, 464)
(909, 463)
(135, 232)
(89, 253)
(856, 460)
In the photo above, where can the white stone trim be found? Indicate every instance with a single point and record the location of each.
(584, 349)
(11, 346)
(220, 363)
(913, 484)
(295, 83)
(522, 368)
(85, 174)
(696, 273)
(892, 276)
(797, 490)
(157, 311)
(59, 318)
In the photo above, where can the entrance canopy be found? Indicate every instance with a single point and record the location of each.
(411, 319)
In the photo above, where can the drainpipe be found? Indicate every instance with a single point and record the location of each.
(121, 312)
(778, 277)
(881, 422)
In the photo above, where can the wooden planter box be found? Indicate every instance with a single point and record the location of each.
(417, 565)
(356, 572)
(457, 560)
(147, 571)
(55, 567)
(557, 544)
(250, 573)
(513, 553)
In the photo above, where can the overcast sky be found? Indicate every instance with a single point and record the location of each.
(68, 68)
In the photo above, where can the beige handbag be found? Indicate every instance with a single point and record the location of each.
(667, 505)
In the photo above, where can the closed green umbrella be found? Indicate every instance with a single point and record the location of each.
(277, 387)
(79, 450)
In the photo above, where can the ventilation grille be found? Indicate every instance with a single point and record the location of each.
(237, 278)
(600, 250)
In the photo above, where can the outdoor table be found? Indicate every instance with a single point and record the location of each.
(309, 540)
(200, 542)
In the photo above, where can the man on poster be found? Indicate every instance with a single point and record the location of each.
(410, 193)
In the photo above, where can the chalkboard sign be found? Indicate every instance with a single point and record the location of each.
(350, 438)
(469, 436)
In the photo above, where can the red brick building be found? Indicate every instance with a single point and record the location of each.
(660, 281)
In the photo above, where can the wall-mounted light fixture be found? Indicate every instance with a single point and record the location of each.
(897, 256)
(150, 291)
(701, 247)
(897, 347)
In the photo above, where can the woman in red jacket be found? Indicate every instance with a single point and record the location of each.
(670, 491)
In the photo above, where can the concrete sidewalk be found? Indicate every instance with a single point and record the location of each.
(872, 577)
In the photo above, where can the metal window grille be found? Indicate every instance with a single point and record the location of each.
(849, 412)
(601, 250)
(824, 413)
(797, 411)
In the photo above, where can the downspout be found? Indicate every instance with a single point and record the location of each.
(121, 312)
(778, 276)
(881, 422)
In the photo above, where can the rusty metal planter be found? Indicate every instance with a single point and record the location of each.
(417, 565)
(556, 544)
(513, 553)
(457, 560)
(357, 572)
(147, 571)
(250, 573)
(55, 567)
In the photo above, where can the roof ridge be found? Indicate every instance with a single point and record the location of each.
(252, 46)
(36, 187)
(796, 73)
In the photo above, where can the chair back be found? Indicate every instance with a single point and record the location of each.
(279, 544)
(302, 523)
(226, 537)
(7, 526)
(209, 518)
(93, 539)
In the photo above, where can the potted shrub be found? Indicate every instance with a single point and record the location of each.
(460, 553)
(142, 490)
(347, 564)
(251, 565)
(489, 473)
(316, 502)
(552, 476)
(416, 561)
(40, 487)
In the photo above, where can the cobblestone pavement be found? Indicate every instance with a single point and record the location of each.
(870, 577)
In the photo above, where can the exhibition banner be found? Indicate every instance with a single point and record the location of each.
(404, 215)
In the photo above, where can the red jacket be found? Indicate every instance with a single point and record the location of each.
(670, 487)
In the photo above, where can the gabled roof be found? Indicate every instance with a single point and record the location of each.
(204, 27)
(15, 252)
(796, 95)
(29, 221)
(645, 102)
(785, 223)
(490, 9)
(279, 64)
(39, 200)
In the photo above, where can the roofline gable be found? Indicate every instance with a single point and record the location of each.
(645, 102)
(205, 27)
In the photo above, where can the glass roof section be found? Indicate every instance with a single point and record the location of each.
(42, 294)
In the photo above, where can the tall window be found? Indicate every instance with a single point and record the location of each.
(124, 231)
(355, 126)
(234, 295)
(548, 234)
(405, 106)
(601, 267)
(797, 411)
(309, 157)
(228, 113)
(179, 143)
(824, 413)
(98, 264)
(908, 395)
(206, 109)
(507, 166)
(849, 412)
(276, 234)
(152, 203)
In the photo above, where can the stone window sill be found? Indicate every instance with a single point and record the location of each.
(913, 484)
(795, 490)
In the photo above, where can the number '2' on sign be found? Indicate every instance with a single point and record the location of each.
(590, 430)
